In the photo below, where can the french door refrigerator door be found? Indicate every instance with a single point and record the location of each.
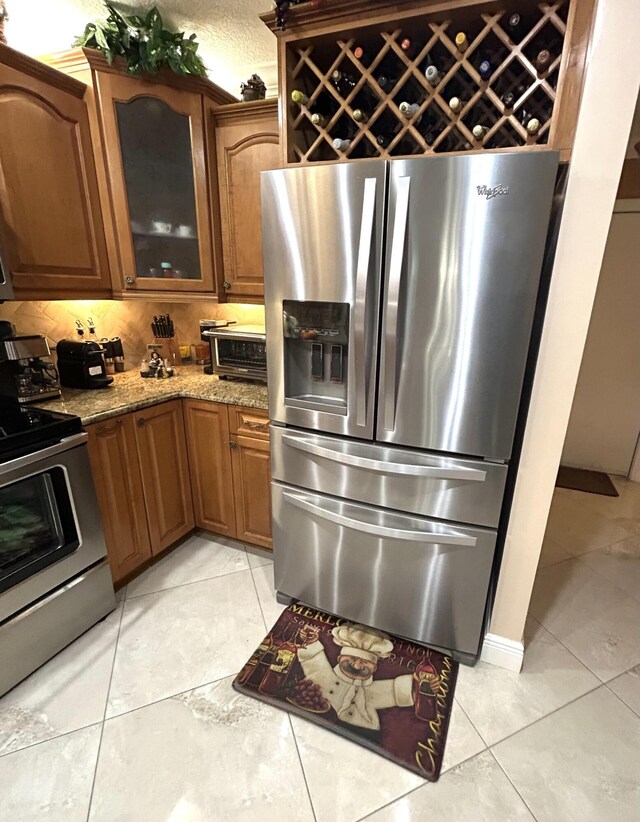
(420, 578)
(322, 230)
(465, 243)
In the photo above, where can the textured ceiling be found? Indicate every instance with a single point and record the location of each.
(234, 42)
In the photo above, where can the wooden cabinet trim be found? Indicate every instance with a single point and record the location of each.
(253, 422)
(40, 71)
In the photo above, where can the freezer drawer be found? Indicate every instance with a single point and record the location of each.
(411, 576)
(428, 484)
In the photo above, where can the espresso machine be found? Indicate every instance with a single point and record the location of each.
(26, 372)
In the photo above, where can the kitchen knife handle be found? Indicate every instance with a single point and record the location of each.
(396, 261)
(360, 308)
(455, 539)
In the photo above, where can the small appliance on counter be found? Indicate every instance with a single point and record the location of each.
(81, 364)
(26, 373)
(237, 351)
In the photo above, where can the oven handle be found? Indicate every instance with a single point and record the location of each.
(429, 471)
(65, 444)
(380, 530)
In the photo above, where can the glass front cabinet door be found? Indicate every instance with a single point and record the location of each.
(155, 151)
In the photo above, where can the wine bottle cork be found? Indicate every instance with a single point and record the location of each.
(461, 41)
(299, 97)
(479, 132)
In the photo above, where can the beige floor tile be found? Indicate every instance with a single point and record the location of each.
(580, 763)
(50, 782)
(619, 563)
(175, 640)
(210, 754)
(199, 557)
(347, 781)
(626, 505)
(476, 791)
(594, 619)
(66, 693)
(552, 553)
(271, 608)
(500, 702)
(257, 557)
(578, 529)
(627, 687)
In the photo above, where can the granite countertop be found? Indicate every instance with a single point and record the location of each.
(129, 392)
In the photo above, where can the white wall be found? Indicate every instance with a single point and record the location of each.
(600, 142)
(605, 416)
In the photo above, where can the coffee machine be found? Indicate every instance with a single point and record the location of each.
(81, 364)
(26, 373)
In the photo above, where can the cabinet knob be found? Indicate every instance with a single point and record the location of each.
(128, 280)
(232, 444)
(141, 421)
(226, 285)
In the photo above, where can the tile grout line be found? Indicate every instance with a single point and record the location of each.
(255, 588)
(50, 739)
(304, 774)
(106, 703)
(511, 782)
(185, 584)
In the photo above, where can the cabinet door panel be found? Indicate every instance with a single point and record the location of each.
(116, 472)
(155, 148)
(162, 451)
(207, 433)
(252, 490)
(51, 223)
(244, 149)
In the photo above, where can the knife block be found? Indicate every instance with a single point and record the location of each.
(168, 349)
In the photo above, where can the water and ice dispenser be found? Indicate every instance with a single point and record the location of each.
(316, 337)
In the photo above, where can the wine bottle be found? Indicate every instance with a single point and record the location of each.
(479, 132)
(409, 109)
(360, 115)
(456, 104)
(340, 145)
(432, 74)
(276, 674)
(299, 97)
(319, 119)
(485, 69)
(515, 26)
(508, 99)
(363, 56)
(386, 83)
(462, 42)
(383, 140)
(543, 60)
(533, 125)
(342, 82)
(409, 47)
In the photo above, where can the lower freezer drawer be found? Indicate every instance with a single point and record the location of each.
(419, 578)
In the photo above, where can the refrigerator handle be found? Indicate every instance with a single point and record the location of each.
(393, 296)
(360, 309)
(429, 471)
(381, 530)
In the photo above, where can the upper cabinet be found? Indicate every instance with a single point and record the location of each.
(51, 230)
(246, 143)
(155, 152)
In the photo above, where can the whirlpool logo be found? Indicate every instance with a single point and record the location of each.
(489, 192)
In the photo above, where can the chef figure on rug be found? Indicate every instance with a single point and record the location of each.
(349, 687)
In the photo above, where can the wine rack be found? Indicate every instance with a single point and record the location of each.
(510, 101)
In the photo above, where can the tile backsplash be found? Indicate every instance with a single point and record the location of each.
(118, 318)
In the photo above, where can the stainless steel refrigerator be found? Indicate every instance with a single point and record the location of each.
(400, 299)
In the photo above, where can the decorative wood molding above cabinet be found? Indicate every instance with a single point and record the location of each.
(247, 142)
(51, 228)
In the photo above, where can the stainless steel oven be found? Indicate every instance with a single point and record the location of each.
(238, 351)
(54, 575)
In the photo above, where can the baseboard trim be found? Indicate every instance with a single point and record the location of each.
(502, 652)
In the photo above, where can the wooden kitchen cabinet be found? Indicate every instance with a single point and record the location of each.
(246, 143)
(251, 474)
(118, 482)
(207, 431)
(164, 466)
(51, 230)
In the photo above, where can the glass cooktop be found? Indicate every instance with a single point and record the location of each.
(25, 430)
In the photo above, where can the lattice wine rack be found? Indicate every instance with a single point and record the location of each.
(476, 80)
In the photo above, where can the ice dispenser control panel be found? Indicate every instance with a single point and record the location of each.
(316, 338)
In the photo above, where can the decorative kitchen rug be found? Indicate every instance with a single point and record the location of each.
(387, 694)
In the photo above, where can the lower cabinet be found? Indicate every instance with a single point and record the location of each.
(230, 470)
(165, 469)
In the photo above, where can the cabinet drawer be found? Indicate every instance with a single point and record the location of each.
(252, 422)
(412, 576)
(433, 485)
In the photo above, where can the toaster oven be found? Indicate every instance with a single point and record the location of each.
(238, 351)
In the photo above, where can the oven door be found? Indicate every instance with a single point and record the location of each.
(50, 526)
